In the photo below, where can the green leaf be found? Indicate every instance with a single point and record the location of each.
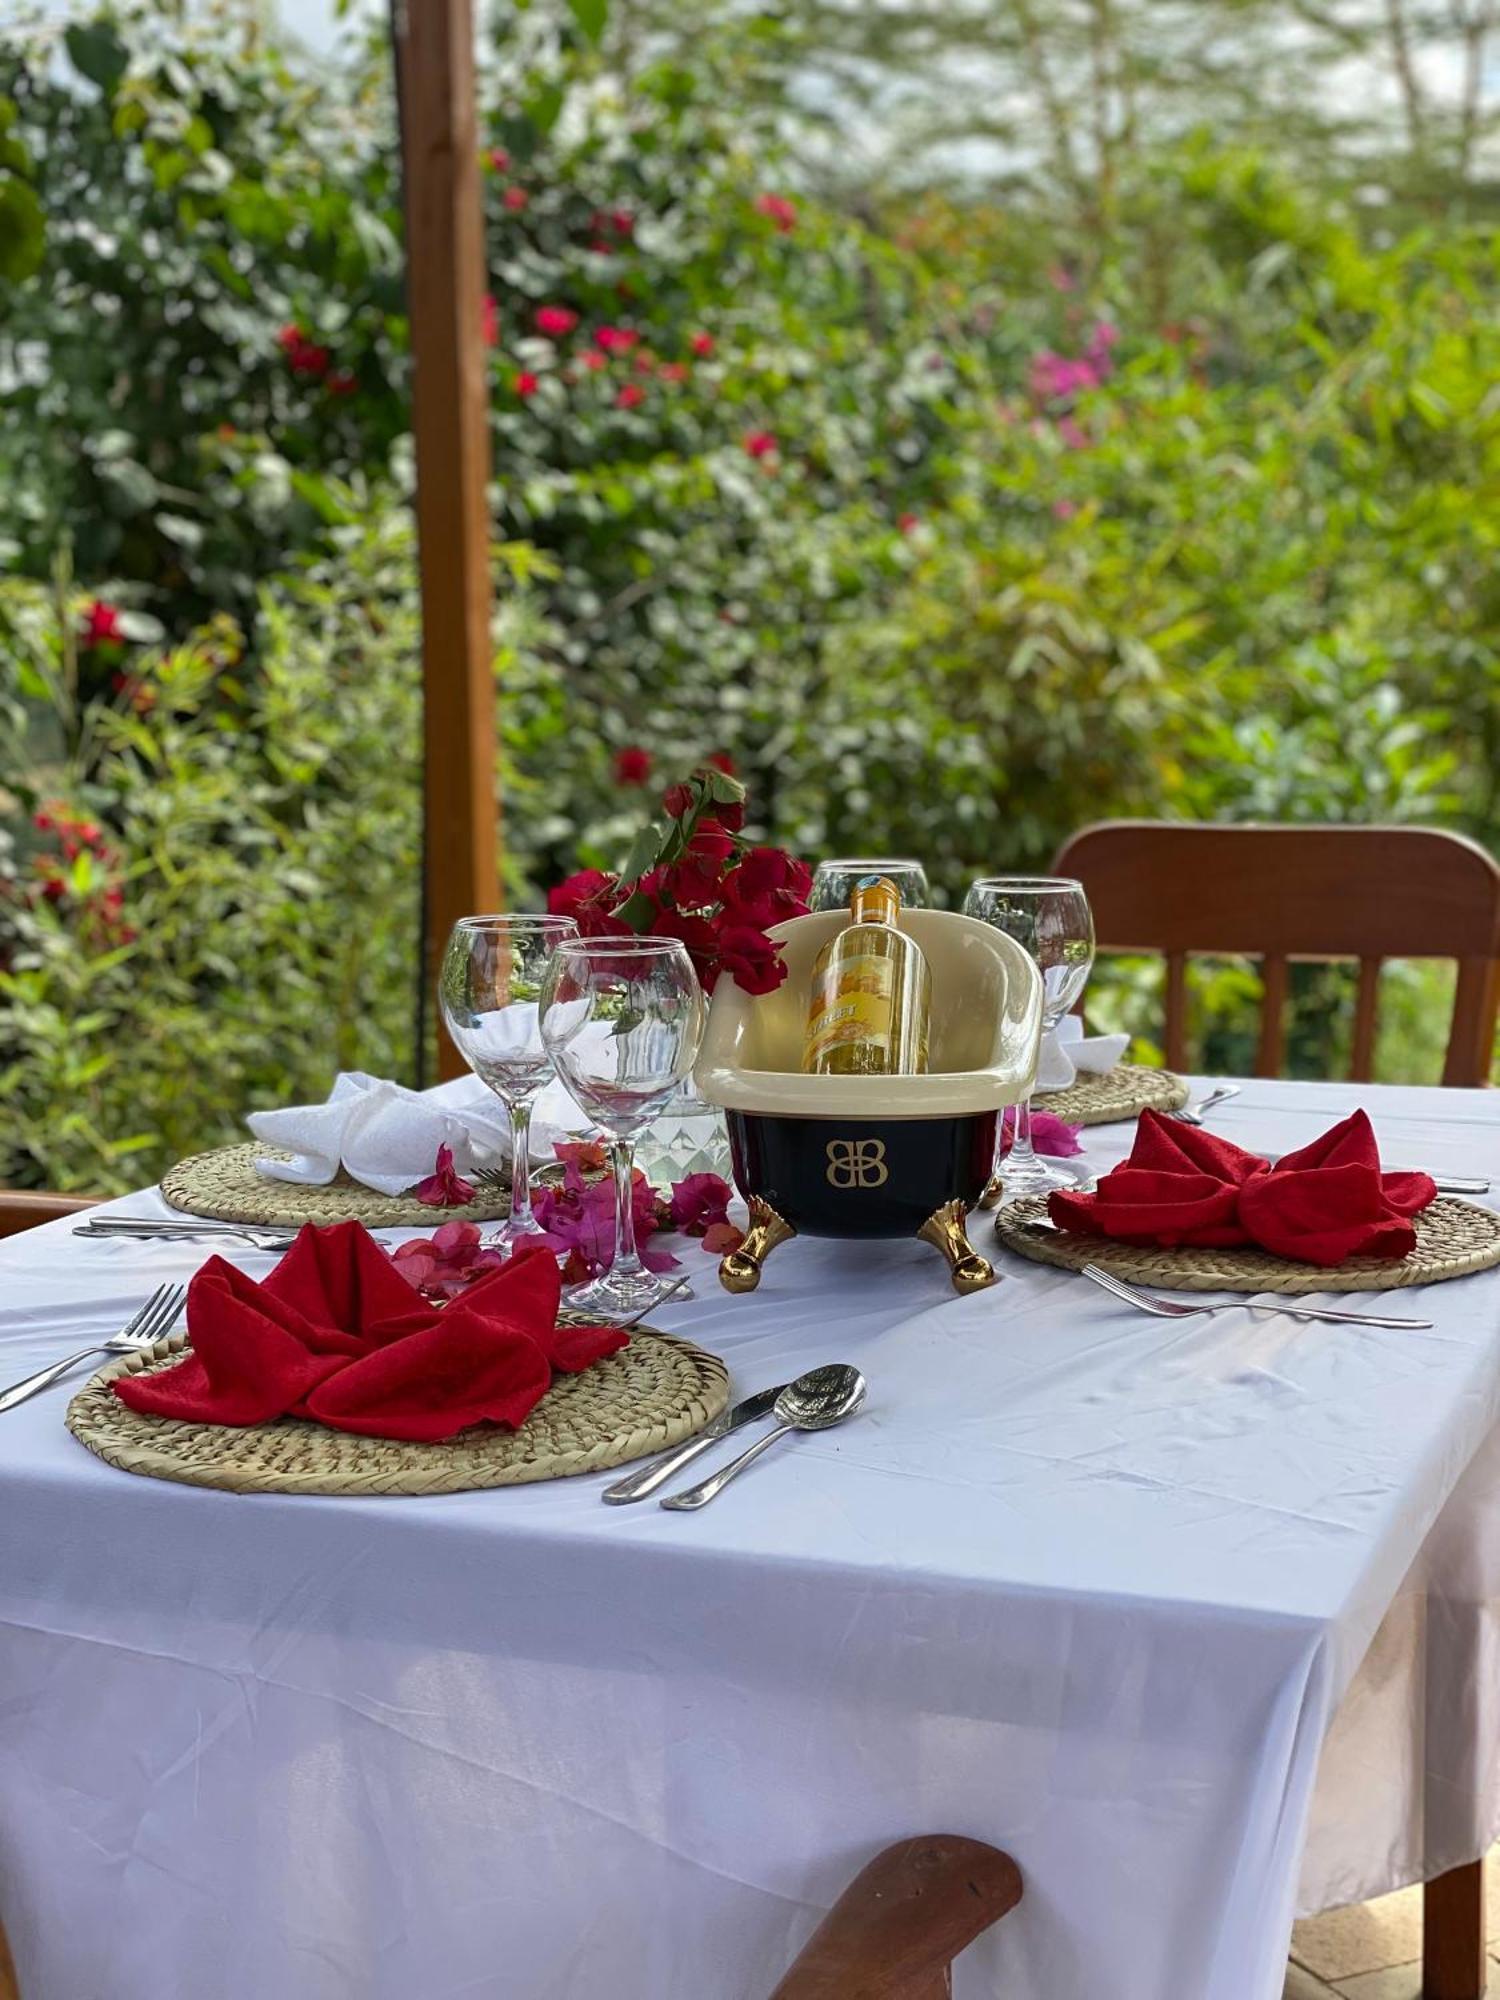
(544, 106)
(97, 53)
(23, 230)
(590, 15)
(643, 852)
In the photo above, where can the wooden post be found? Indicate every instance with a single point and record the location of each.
(1455, 1965)
(445, 284)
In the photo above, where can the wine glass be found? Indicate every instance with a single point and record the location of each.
(1049, 916)
(834, 882)
(622, 1019)
(489, 990)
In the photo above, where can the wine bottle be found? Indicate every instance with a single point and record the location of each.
(870, 999)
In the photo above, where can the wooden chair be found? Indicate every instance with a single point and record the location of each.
(25, 1211)
(10, 1986)
(1282, 892)
(897, 1928)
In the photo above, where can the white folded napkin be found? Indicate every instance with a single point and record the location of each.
(387, 1137)
(1066, 1050)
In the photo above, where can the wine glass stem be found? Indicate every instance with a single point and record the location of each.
(520, 1162)
(627, 1262)
(1022, 1152)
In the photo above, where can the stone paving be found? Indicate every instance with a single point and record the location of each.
(1373, 1951)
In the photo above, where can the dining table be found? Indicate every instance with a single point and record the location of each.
(1199, 1620)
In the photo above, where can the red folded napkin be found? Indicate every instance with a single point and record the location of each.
(1182, 1185)
(337, 1334)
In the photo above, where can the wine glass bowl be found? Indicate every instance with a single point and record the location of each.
(834, 882)
(621, 1019)
(1049, 916)
(489, 992)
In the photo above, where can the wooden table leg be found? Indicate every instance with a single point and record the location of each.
(1454, 1960)
(10, 1988)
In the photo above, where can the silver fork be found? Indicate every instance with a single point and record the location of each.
(1194, 1114)
(1148, 1302)
(137, 1336)
(147, 1229)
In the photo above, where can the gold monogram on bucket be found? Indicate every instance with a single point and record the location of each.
(857, 1163)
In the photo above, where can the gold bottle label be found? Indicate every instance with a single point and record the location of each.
(856, 1005)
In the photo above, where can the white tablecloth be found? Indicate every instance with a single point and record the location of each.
(1082, 1583)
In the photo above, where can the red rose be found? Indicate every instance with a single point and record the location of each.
(290, 339)
(730, 813)
(491, 320)
(555, 321)
(750, 958)
(101, 625)
(781, 211)
(592, 358)
(630, 396)
(768, 886)
(622, 222)
(721, 761)
(525, 384)
(499, 159)
(632, 765)
(703, 343)
(588, 898)
(676, 800)
(696, 876)
(644, 363)
(515, 199)
(674, 371)
(696, 933)
(343, 382)
(304, 356)
(616, 339)
(760, 444)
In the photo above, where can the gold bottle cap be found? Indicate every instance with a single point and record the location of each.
(875, 901)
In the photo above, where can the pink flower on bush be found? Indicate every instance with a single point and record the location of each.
(1072, 434)
(444, 1187)
(632, 764)
(615, 339)
(631, 395)
(556, 321)
(525, 384)
(674, 372)
(593, 359)
(1064, 509)
(908, 523)
(499, 159)
(490, 320)
(760, 444)
(515, 199)
(779, 210)
(702, 344)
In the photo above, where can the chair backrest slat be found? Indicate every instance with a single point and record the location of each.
(1278, 893)
(1362, 1053)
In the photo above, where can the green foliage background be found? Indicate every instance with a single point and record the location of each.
(840, 531)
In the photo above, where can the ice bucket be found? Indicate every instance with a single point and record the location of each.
(872, 1156)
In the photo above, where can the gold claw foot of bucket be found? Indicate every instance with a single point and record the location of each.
(944, 1230)
(740, 1270)
(994, 1187)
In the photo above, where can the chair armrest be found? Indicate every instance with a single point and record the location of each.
(25, 1211)
(903, 1920)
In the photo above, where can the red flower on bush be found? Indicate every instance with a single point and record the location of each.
(499, 159)
(780, 211)
(101, 624)
(491, 320)
(342, 382)
(702, 343)
(673, 372)
(616, 339)
(592, 358)
(630, 396)
(304, 356)
(760, 444)
(720, 760)
(555, 321)
(515, 199)
(526, 384)
(768, 885)
(632, 764)
(908, 523)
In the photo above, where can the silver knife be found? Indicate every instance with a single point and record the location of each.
(645, 1479)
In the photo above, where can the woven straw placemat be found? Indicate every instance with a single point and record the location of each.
(652, 1394)
(1118, 1094)
(1454, 1238)
(225, 1185)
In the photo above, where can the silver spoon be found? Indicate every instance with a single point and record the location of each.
(816, 1401)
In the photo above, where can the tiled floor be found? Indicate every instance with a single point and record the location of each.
(1374, 1950)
